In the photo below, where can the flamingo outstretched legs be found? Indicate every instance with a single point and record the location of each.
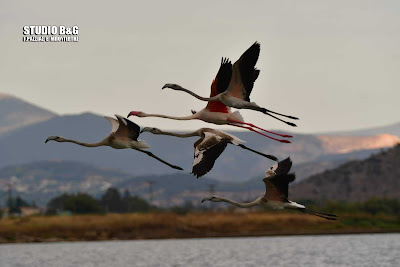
(252, 125)
(265, 111)
(251, 129)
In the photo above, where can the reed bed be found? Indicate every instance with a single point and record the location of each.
(171, 225)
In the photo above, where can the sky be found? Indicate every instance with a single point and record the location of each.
(333, 64)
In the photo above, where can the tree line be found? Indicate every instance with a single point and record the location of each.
(15, 204)
(111, 201)
(115, 202)
(372, 206)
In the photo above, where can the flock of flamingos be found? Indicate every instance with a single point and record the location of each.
(231, 88)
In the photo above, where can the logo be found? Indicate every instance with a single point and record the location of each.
(47, 33)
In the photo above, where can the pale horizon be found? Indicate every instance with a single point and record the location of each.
(228, 128)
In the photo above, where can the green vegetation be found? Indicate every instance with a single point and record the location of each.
(372, 206)
(111, 201)
(79, 203)
(14, 204)
(190, 225)
(122, 216)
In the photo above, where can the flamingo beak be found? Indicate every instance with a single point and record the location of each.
(204, 199)
(132, 113)
(165, 86)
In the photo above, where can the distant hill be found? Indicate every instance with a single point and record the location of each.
(43, 180)
(16, 113)
(359, 180)
(346, 144)
(90, 128)
(238, 174)
(25, 127)
(354, 181)
(393, 129)
(26, 144)
(329, 161)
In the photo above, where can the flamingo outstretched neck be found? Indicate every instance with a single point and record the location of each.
(230, 118)
(234, 83)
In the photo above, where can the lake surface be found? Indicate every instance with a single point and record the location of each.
(322, 250)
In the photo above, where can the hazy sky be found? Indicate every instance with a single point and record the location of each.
(334, 64)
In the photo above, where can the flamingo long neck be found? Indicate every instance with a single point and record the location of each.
(191, 117)
(242, 205)
(101, 143)
(180, 135)
(197, 96)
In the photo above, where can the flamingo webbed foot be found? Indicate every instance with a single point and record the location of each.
(272, 158)
(293, 118)
(177, 168)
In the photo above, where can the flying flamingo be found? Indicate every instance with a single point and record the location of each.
(209, 147)
(217, 112)
(276, 194)
(238, 83)
(124, 134)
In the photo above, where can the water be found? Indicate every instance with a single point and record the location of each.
(329, 250)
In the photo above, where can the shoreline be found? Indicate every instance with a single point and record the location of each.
(160, 226)
(351, 232)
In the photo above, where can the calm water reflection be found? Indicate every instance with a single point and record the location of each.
(331, 250)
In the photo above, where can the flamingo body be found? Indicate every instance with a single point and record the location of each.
(209, 147)
(276, 192)
(228, 86)
(124, 134)
(233, 85)
(219, 118)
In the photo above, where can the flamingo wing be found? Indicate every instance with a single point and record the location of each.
(225, 136)
(219, 85)
(276, 188)
(244, 73)
(127, 128)
(114, 124)
(282, 167)
(207, 150)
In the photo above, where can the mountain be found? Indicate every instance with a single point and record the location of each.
(346, 144)
(16, 113)
(26, 144)
(359, 180)
(40, 181)
(392, 129)
(43, 180)
(329, 161)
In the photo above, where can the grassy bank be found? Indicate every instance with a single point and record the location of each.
(171, 225)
